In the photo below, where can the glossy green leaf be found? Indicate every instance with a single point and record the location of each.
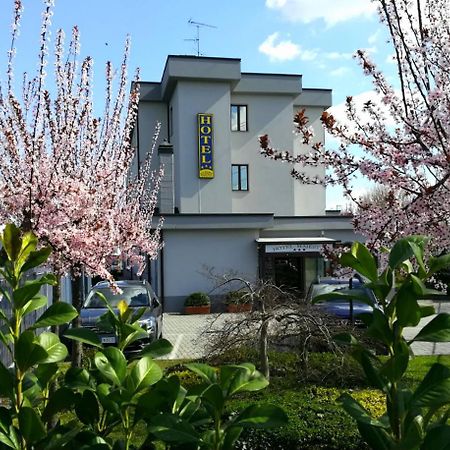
(103, 391)
(360, 414)
(144, 373)
(161, 398)
(6, 381)
(57, 314)
(241, 378)
(214, 396)
(205, 371)
(25, 293)
(261, 416)
(408, 310)
(55, 349)
(83, 335)
(138, 314)
(28, 352)
(396, 365)
(231, 436)
(438, 330)
(130, 333)
(158, 348)
(112, 364)
(39, 301)
(345, 339)
(379, 328)
(427, 310)
(29, 244)
(437, 263)
(417, 248)
(76, 377)
(11, 241)
(345, 294)
(376, 437)
(63, 399)
(31, 426)
(87, 408)
(171, 428)
(437, 438)
(361, 260)
(8, 435)
(36, 258)
(434, 390)
(48, 278)
(44, 373)
(371, 370)
(401, 251)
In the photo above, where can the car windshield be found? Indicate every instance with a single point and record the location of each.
(133, 296)
(320, 289)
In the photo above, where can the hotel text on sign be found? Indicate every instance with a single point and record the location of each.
(294, 248)
(205, 145)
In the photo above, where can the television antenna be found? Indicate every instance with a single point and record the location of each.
(197, 38)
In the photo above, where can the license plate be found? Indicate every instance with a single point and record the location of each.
(108, 339)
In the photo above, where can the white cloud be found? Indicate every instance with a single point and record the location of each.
(331, 11)
(284, 50)
(340, 71)
(373, 38)
(339, 111)
(338, 55)
(391, 58)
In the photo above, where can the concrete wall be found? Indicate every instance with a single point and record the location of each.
(270, 185)
(197, 195)
(309, 200)
(188, 254)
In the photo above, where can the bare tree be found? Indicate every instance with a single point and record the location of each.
(279, 319)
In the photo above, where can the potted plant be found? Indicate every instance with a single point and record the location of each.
(197, 303)
(238, 301)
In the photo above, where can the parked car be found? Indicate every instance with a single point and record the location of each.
(340, 306)
(136, 294)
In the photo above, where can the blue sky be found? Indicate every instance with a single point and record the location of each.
(315, 38)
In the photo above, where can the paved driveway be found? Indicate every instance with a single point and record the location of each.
(187, 333)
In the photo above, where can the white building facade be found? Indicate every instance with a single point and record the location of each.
(228, 209)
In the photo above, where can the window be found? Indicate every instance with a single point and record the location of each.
(239, 118)
(239, 177)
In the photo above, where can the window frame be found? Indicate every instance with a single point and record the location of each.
(239, 179)
(239, 129)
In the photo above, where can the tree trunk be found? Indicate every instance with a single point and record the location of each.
(53, 387)
(77, 347)
(263, 354)
(56, 298)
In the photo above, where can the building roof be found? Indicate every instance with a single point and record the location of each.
(198, 68)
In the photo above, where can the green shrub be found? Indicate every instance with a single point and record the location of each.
(197, 299)
(315, 420)
(237, 298)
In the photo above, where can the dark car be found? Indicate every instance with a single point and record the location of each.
(136, 294)
(352, 298)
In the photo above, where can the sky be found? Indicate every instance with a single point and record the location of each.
(315, 38)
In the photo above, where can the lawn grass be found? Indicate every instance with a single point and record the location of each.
(308, 392)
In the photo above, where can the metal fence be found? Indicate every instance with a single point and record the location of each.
(5, 355)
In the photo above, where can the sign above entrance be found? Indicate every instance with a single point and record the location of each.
(205, 145)
(294, 248)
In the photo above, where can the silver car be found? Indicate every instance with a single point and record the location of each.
(136, 294)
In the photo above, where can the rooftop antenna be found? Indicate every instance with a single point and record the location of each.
(197, 39)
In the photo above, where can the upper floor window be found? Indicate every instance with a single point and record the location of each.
(239, 118)
(239, 177)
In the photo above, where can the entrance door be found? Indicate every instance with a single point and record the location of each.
(289, 272)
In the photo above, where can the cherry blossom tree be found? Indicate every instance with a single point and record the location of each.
(401, 142)
(66, 173)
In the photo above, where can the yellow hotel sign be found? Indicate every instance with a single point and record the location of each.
(205, 145)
